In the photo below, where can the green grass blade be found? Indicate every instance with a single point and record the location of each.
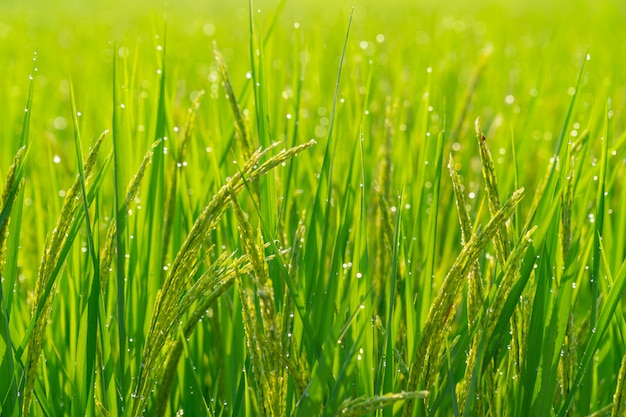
(597, 333)
(119, 176)
(92, 320)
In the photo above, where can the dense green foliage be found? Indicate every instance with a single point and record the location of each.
(312, 208)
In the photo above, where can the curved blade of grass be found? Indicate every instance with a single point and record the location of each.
(389, 367)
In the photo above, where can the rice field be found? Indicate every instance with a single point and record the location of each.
(281, 208)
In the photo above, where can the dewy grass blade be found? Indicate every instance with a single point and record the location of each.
(94, 294)
(599, 217)
(267, 185)
(156, 179)
(10, 271)
(597, 333)
(119, 241)
(320, 215)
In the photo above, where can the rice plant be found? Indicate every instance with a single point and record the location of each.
(281, 208)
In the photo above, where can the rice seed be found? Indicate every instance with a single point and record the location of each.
(101, 408)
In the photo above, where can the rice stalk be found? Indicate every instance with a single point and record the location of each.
(475, 291)
(52, 249)
(177, 279)
(265, 341)
(501, 240)
(106, 256)
(511, 271)
(218, 278)
(425, 360)
(295, 361)
(566, 367)
(361, 406)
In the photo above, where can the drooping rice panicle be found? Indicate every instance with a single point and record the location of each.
(44, 298)
(425, 361)
(175, 282)
(475, 291)
(218, 278)
(264, 339)
(366, 405)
